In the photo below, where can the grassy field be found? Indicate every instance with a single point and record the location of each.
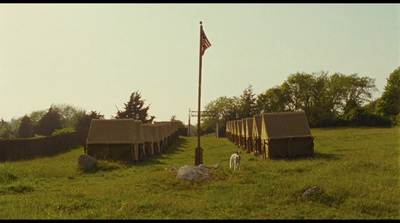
(357, 170)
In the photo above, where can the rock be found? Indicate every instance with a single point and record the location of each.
(194, 172)
(310, 191)
(86, 162)
(210, 167)
(187, 172)
(216, 166)
(173, 168)
(378, 164)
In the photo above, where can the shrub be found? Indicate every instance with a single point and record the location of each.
(62, 131)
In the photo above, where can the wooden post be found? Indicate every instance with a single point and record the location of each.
(188, 133)
(217, 130)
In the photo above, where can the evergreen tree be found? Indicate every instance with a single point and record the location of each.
(26, 127)
(5, 130)
(390, 100)
(49, 123)
(247, 103)
(135, 109)
(84, 120)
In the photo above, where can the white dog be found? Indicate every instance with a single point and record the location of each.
(236, 161)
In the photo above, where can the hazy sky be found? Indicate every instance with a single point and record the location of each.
(94, 56)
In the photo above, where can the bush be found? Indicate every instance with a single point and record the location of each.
(62, 131)
(395, 120)
(39, 136)
(361, 117)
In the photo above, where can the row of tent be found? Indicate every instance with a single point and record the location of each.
(273, 135)
(129, 140)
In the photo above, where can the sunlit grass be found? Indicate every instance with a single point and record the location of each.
(356, 169)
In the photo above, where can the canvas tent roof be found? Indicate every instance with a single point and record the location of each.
(168, 127)
(115, 131)
(244, 130)
(238, 127)
(162, 130)
(228, 126)
(173, 125)
(249, 127)
(146, 133)
(257, 126)
(233, 127)
(154, 129)
(284, 125)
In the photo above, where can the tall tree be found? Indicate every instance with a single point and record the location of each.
(223, 109)
(299, 86)
(135, 109)
(272, 100)
(348, 92)
(25, 128)
(389, 104)
(5, 130)
(69, 114)
(36, 116)
(49, 123)
(247, 103)
(84, 120)
(321, 105)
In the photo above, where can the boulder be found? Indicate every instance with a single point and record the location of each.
(86, 162)
(188, 172)
(310, 191)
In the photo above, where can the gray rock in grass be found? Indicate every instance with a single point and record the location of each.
(188, 172)
(86, 162)
(310, 191)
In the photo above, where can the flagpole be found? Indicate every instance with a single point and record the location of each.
(199, 150)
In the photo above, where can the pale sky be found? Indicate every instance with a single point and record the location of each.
(94, 56)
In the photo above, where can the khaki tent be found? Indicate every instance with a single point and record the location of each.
(172, 130)
(243, 137)
(228, 127)
(147, 138)
(256, 134)
(236, 133)
(117, 139)
(154, 130)
(248, 123)
(286, 135)
(175, 134)
(232, 130)
(239, 132)
(163, 131)
(168, 131)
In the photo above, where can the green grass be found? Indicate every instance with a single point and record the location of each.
(357, 170)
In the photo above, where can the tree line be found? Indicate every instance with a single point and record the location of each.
(328, 100)
(62, 118)
(58, 119)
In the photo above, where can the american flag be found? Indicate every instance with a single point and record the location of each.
(204, 42)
